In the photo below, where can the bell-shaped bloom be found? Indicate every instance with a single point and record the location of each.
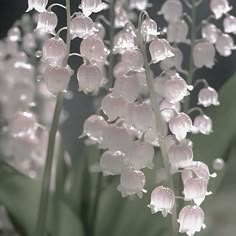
(22, 124)
(114, 107)
(195, 189)
(38, 5)
(14, 34)
(112, 163)
(93, 49)
(207, 97)
(54, 51)
(172, 10)
(47, 22)
(230, 24)
(131, 182)
(176, 88)
(180, 125)
(89, 78)
(225, 45)
(133, 59)
(127, 87)
(94, 127)
(177, 31)
(204, 55)
(210, 33)
(220, 7)
(91, 6)
(191, 220)
(57, 78)
(140, 5)
(81, 26)
(140, 116)
(169, 109)
(202, 124)
(149, 29)
(180, 156)
(160, 49)
(162, 199)
(121, 17)
(140, 155)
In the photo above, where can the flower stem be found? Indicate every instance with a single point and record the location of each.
(191, 64)
(159, 125)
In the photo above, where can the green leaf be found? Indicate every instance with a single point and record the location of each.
(20, 196)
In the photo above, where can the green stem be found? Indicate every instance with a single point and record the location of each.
(111, 39)
(191, 64)
(41, 225)
(159, 125)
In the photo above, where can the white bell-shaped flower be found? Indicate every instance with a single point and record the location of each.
(54, 51)
(91, 6)
(207, 97)
(57, 78)
(176, 88)
(169, 109)
(177, 31)
(224, 45)
(133, 59)
(202, 124)
(38, 5)
(47, 22)
(114, 107)
(22, 124)
(89, 78)
(172, 10)
(14, 34)
(186, 174)
(127, 87)
(93, 49)
(204, 55)
(81, 26)
(116, 139)
(149, 29)
(140, 5)
(99, 30)
(162, 199)
(140, 115)
(121, 18)
(94, 127)
(220, 7)
(160, 49)
(195, 189)
(230, 24)
(180, 156)
(191, 220)
(140, 155)
(131, 182)
(180, 125)
(112, 163)
(210, 33)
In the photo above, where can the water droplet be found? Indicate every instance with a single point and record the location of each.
(39, 54)
(218, 164)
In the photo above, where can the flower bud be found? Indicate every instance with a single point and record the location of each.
(177, 32)
(204, 55)
(230, 24)
(180, 156)
(219, 7)
(172, 10)
(210, 33)
(112, 163)
(89, 78)
(131, 182)
(47, 22)
(168, 109)
(90, 6)
(38, 5)
(162, 199)
(57, 78)
(54, 51)
(207, 97)
(81, 26)
(191, 220)
(202, 124)
(224, 45)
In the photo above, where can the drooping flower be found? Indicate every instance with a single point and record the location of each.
(225, 45)
(91, 6)
(207, 97)
(210, 33)
(149, 29)
(202, 124)
(38, 5)
(162, 199)
(220, 7)
(169, 109)
(230, 24)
